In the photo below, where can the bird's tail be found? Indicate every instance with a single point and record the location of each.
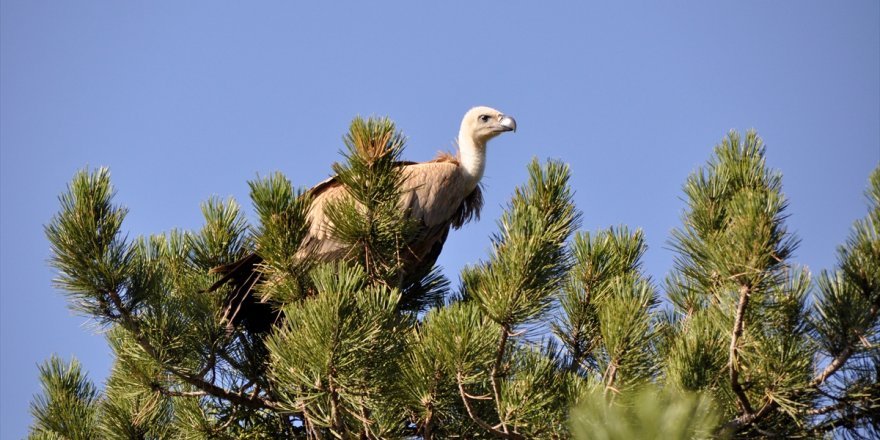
(242, 307)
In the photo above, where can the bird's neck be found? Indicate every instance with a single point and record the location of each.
(472, 155)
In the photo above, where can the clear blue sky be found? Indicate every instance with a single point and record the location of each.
(184, 100)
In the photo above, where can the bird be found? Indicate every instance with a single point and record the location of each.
(440, 194)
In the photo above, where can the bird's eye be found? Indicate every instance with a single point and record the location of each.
(484, 118)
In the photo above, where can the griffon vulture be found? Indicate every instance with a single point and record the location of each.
(439, 194)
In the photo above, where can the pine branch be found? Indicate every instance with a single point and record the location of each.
(482, 423)
(847, 421)
(747, 419)
(610, 376)
(852, 409)
(529, 258)
(827, 409)
(738, 324)
(369, 222)
(174, 393)
(841, 358)
(744, 420)
(307, 422)
(428, 425)
(131, 324)
(496, 373)
(335, 414)
(69, 406)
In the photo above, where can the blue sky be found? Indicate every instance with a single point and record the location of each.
(185, 100)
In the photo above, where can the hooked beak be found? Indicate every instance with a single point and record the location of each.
(506, 123)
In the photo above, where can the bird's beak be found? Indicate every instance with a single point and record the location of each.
(506, 123)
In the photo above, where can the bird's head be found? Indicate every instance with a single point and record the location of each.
(483, 123)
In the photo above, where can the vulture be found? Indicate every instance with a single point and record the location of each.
(439, 194)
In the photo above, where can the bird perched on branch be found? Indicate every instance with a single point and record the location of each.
(438, 195)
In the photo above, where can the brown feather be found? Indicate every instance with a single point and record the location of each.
(445, 156)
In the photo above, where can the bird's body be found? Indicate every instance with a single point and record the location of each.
(434, 193)
(440, 194)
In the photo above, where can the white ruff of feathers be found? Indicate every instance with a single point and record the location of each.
(472, 156)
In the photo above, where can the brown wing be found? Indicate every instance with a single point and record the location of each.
(432, 193)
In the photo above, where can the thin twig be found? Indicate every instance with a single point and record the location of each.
(228, 422)
(611, 376)
(832, 367)
(173, 393)
(738, 423)
(364, 418)
(307, 422)
(335, 416)
(482, 423)
(827, 409)
(841, 357)
(427, 426)
(847, 421)
(733, 364)
(496, 367)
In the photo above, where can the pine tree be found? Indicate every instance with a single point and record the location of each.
(558, 333)
(744, 327)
